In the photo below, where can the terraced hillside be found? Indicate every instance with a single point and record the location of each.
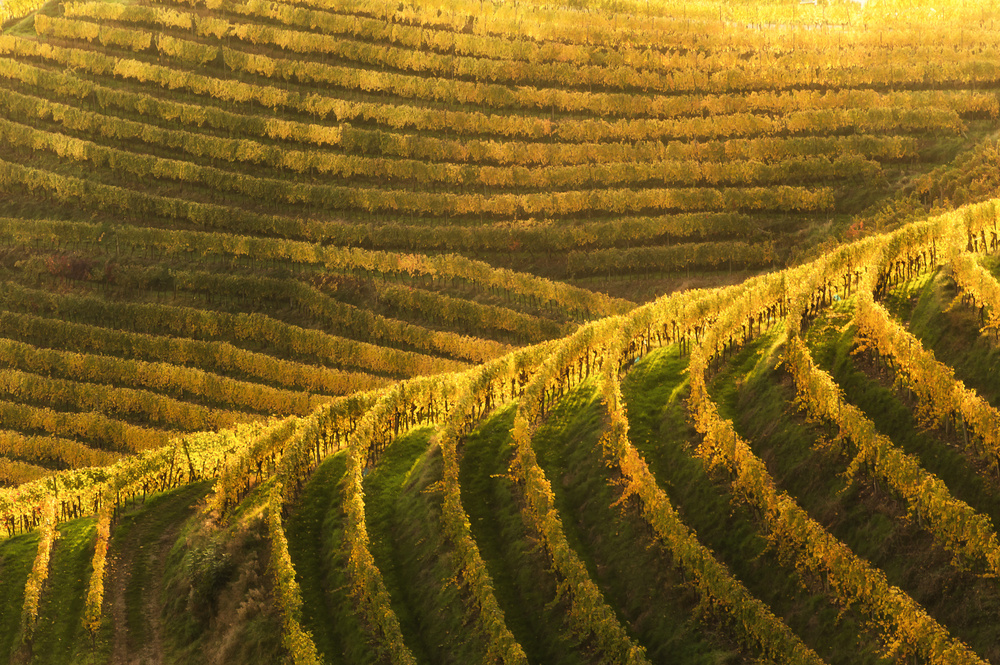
(108, 349)
(216, 212)
(780, 469)
(571, 148)
(297, 362)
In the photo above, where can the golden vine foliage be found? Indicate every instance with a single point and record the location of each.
(39, 571)
(520, 115)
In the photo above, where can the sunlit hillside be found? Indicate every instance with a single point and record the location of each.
(215, 213)
(334, 332)
(780, 470)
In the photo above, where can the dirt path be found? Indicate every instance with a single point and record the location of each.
(118, 575)
(142, 541)
(152, 650)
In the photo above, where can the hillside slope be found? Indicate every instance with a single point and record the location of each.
(216, 212)
(795, 472)
(310, 348)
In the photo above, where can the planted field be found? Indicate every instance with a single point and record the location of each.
(333, 333)
(814, 502)
(217, 212)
